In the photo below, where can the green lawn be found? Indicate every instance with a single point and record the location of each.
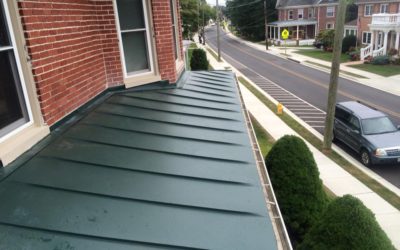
(383, 70)
(265, 140)
(322, 55)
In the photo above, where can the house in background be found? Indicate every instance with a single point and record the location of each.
(379, 26)
(57, 55)
(303, 18)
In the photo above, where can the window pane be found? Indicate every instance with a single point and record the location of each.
(4, 40)
(11, 102)
(135, 51)
(130, 14)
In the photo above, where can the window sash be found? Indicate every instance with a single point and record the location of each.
(368, 10)
(300, 13)
(16, 84)
(130, 31)
(290, 14)
(384, 8)
(330, 11)
(366, 38)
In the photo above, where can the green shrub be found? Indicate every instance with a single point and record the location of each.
(348, 42)
(199, 60)
(326, 38)
(354, 56)
(295, 179)
(380, 60)
(346, 224)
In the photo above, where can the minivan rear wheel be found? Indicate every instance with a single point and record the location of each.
(365, 158)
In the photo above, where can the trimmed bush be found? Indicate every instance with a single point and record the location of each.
(326, 38)
(348, 42)
(346, 224)
(295, 179)
(354, 56)
(380, 60)
(199, 60)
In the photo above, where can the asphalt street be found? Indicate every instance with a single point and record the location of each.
(304, 90)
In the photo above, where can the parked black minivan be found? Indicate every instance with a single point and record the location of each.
(367, 131)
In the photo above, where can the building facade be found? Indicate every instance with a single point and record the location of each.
(56, 56)
(379, 26)
(303, 19)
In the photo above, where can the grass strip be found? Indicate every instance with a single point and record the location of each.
(322, 55)
(383, 70)
(341, 71)
(213, 54)
(378, 188)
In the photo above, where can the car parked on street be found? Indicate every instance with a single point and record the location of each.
(367, 131)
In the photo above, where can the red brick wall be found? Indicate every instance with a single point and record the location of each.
(164, 40)
(323, 19)
(72, 61)
(73, 46)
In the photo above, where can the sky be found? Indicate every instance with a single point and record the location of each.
(212, 2)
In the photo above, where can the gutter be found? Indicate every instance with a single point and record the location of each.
(281, 234)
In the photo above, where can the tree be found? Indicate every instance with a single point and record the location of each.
(326, 38)
(295, 179)
(195, 14)
(248, 17)
(346, 224)
(190, 15)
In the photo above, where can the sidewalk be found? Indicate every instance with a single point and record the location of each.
(333, 176)
(388, 84)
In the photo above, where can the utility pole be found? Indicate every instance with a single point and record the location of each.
(218, 45)
(333, 83)
(203, 32)
(266, 24)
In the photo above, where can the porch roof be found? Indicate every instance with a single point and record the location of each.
(291, 23)
(147, 169)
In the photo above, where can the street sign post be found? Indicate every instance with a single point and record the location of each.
(285, 35)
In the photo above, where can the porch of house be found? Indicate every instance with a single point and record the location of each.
(384, 35)
(298, 30)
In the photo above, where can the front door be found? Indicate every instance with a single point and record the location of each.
(14, 112)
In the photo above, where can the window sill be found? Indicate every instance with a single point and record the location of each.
(135, 81)
(16, 145)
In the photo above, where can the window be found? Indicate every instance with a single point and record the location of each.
(14, 112)
(368, 10)
(290, 14)
(384, 8)
(354, 123)
(342, 115)
(350, 32)
(311, 13)
(134, 36)
(366, 37)
(300, 13)
(174, 27)
(330, 11)
(329, 26)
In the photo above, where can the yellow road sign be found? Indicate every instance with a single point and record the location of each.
(285, 34)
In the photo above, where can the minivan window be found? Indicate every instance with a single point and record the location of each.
(342, 115)
(354, 123)
(378, 125)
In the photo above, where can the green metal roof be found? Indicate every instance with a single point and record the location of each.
(150, 169)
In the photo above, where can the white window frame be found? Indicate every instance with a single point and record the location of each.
(370, 7)
(300, 11)
(311, 13)
(176, 22)
(13, 46)
(288, 14)
(331, 24)
(350, 32)
(385, 8)
(368, 35)
(332, 8)
(149, 43)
